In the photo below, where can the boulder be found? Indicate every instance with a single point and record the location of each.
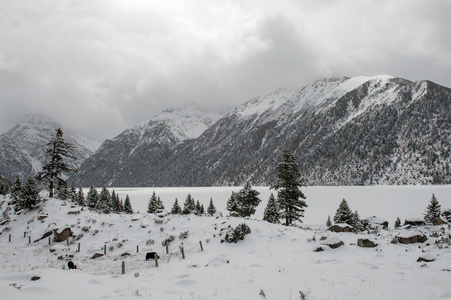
(74, 212)
(411, 237)
(426, 258)
(333, 242)
(318, 249)
(341, 228)
(446, 214)
(64, 235)
(42, 217)
(414, 222)
(374, 223)
(366, 243)
(97, 255)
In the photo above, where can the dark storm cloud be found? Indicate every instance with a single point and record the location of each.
(102, 66)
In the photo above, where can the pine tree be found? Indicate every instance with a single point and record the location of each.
(104, 202)
(52, 172)
(290, 198)
(81, 197)
(92, 198)
(248, 200)
(160, 205)
(152, 205)
(198, 208)
(127, 205)
(189, 206)
(344, 214)
(356, 222)
(233, 206)
(29, 196)
(432, 213)
(16, 189)
(115, 203)
(271, 213)
(62, 191)
(211, 209)
(176, 209)
(73, 193)
(328, 222)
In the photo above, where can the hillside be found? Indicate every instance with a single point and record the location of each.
(272, 262)
(141, 151)
(343, 131)
(22, 148)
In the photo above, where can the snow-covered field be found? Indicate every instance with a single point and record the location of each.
(272, 262)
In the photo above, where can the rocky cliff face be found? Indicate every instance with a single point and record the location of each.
(343, 131)
(22, 148)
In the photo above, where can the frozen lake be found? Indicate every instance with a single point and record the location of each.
(388, 202)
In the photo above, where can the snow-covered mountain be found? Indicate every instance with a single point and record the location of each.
(133, 154)
(343, 131)
(22, 148)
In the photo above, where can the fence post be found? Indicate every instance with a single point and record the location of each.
(183, 252)
(123, 267)
(137, 249)
(167, 249)
(104, 249)
(10, 237)
(67, 241)
(50, 242)
(156, 260)
(78, 247)
(201, 247)
(29, 240)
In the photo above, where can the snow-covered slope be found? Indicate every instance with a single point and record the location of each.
(22, 148)
(129, 157)
(343, 131)
(272, 262)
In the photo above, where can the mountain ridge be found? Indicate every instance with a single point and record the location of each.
(22, 148)
(343, 131)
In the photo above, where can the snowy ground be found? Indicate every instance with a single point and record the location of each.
(273, 260)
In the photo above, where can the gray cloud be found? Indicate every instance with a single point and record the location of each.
(102, 66)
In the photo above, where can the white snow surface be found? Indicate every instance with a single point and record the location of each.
(276, 260)
(320, 94)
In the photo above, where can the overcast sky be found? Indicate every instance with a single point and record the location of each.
(103, 66)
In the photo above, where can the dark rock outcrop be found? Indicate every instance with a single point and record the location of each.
(366, 243)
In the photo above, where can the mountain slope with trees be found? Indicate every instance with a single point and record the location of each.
(342, 131)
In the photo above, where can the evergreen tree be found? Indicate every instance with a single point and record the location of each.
(344, 214)
(189, 206)
(160, 205)
(211, 209)
(176, 209)
(52, 172)
(432, 213)
(121, 204)
(81, 197)
(92, 198)
(397, 222)
(104, 202)
(62, 191)
(153, 204)
(29, 196)
(328, 222)
(271, 213)
(356, 222)
(115, 203)
(290, 198)
(248, 200)
(199, 209)
(73, 193)
(233, 206)
(127, 205)
(16, 189)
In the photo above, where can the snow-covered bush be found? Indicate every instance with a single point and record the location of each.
(233, 235)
